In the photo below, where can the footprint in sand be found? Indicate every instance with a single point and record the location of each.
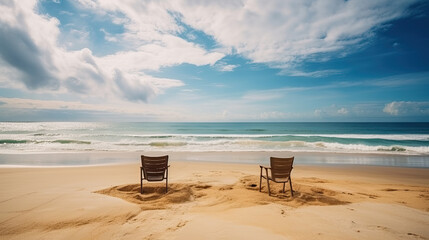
(201, 186)
(369, 195)
(415, 235)
(226, 188)
(181, 224)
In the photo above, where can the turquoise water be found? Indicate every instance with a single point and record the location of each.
(383, 138)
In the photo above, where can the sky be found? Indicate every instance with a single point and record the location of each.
(214, 61)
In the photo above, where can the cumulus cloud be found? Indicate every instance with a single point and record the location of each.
(403, 108)
(283, 34)
(31, 52)
(142, 87)
(170, 51)
(392, 108)
(26, 49)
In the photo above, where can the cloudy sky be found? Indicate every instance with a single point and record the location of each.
(223, 60)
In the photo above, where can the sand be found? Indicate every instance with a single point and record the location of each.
(214, 201)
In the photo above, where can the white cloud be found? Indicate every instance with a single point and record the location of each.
(31, 53)
(272, 115)
(139, 87)
(283, 34)
(228, 68)
(27, 42)
(108, 36)
(317, 112)
(403, 108)
(320, 73)
(21, 103)
(331, 111)
(224, 67)
(279, 33)
(170, 51)
(218, 85)
(190, 90)
(120, 108)
(392, 108)
(191, 36)
(386, 82)
(343, 111)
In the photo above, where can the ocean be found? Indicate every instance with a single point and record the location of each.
(66, 137)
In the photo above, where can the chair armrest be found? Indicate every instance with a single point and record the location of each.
(264, 167)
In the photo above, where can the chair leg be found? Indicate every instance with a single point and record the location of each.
(141, 182)
(166, 181)
(268, 183)
(269, 191)
(141, 186)
(260, 180)
(284, 187)
(290, 184)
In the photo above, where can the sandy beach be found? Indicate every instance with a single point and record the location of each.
(223, 88)
(213, 200)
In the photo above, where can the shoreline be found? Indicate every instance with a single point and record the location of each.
(246, 157)
(376, 153)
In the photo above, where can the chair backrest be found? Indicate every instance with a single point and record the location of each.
(154, 167)
(281, 167)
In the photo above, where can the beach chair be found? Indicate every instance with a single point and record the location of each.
(280, 170)
(154, 169)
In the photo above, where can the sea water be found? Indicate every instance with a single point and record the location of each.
(64, 137)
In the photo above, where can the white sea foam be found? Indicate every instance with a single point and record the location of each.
(69, 137)
(419, 137)
(296, 146)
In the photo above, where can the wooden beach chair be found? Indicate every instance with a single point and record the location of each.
(154, 169)
(280, 170)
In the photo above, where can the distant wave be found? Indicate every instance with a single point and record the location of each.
(379, 148)
(422, 137)
(71, 142)
(357, 138)
(167, 144)
(419, 137)
(11, 141)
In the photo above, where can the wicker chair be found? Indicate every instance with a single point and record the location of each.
(154, 169)
(280, 170)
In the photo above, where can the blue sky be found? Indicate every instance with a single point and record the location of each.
(321, 60)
